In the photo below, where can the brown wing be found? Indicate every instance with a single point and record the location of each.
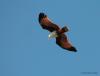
(47, 24)
(63, 42)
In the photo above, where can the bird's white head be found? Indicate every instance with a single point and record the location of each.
(53, 35)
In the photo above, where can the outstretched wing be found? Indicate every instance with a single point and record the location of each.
(47, 24)
(63, 42)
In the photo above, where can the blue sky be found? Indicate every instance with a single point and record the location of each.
(24, 46)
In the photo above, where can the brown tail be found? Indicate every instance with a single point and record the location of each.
(64, 29)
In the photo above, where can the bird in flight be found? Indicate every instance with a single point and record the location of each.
(56, 32)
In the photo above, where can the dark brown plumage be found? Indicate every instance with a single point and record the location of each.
(61, 39)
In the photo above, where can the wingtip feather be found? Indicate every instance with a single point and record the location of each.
(41, 16)
(72, 49)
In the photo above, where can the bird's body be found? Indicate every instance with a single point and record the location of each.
(56, 32)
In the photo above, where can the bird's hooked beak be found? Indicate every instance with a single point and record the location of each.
(52, 35)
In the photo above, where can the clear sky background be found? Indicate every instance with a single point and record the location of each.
(24, 46)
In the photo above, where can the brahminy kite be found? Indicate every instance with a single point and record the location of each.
(56, 32)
